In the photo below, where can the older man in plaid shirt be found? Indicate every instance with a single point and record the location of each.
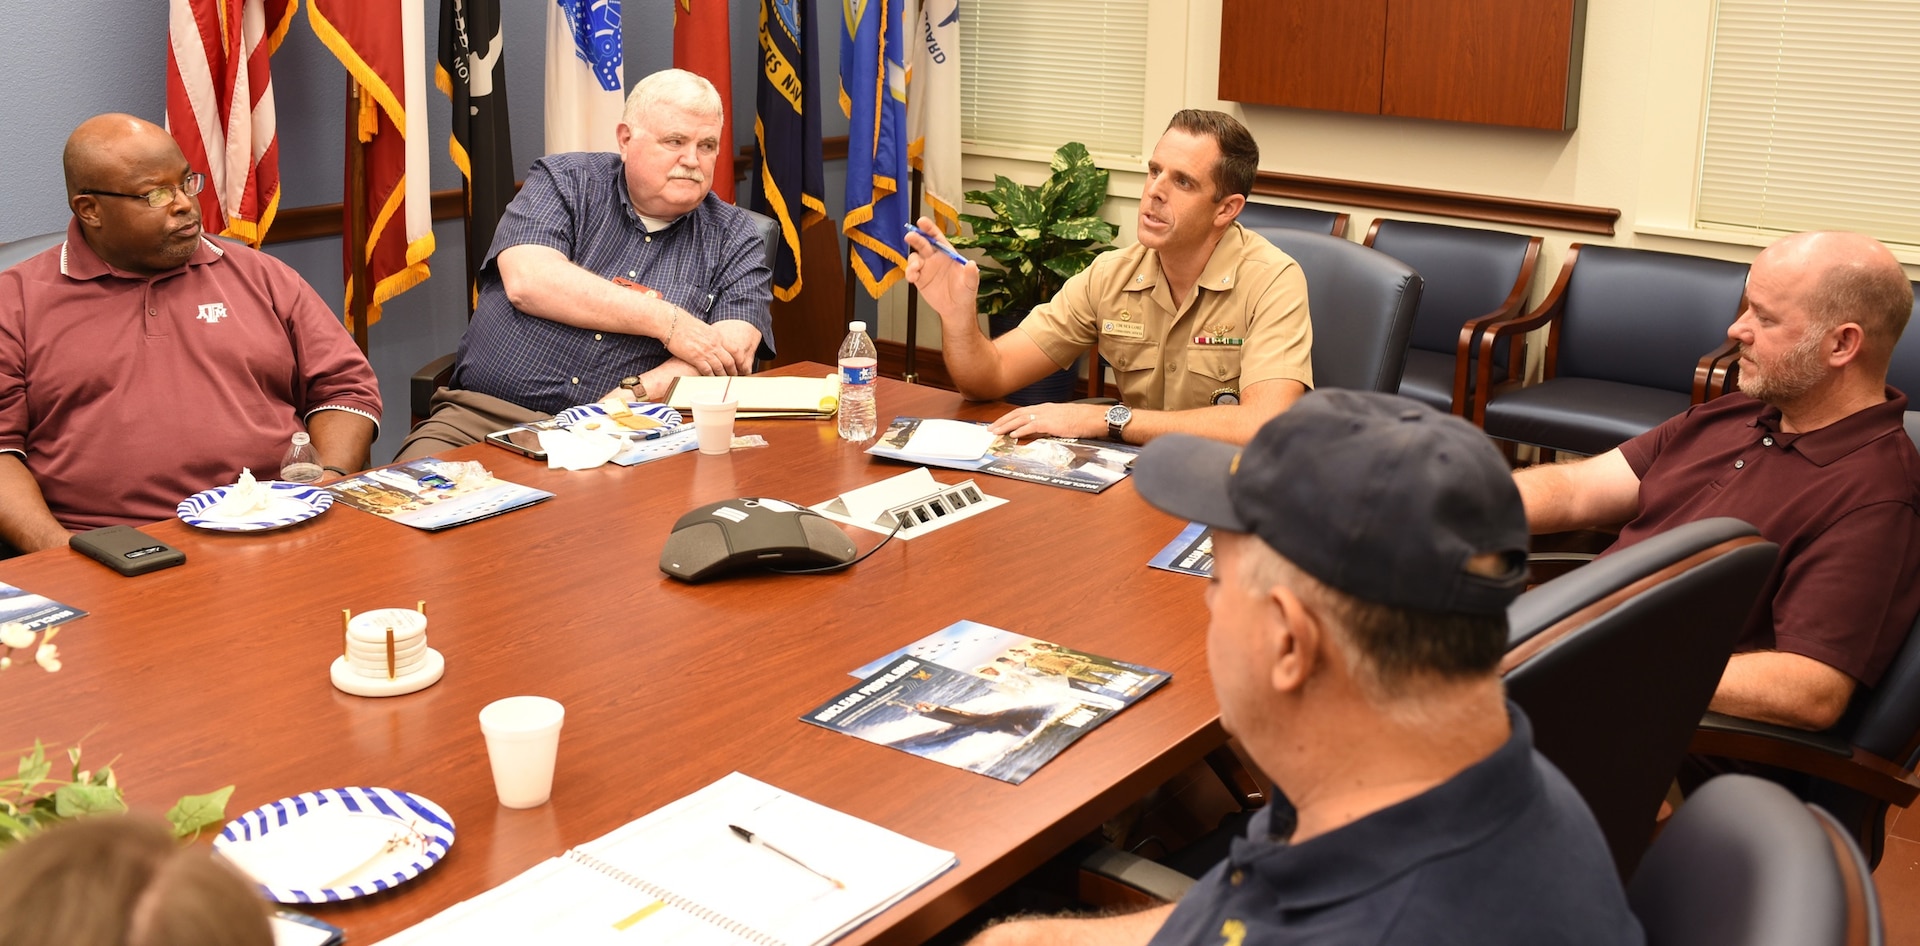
(611, 274)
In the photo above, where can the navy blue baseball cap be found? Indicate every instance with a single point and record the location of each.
(1375, 495)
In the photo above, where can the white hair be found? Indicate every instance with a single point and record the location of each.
(675, 88)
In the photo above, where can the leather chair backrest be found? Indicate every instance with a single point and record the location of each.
(1362, 303)
(1889, 723)
(1903, 372)
(1466, 273)
(1614, 662)
(1643, 317)
(1743, 863)
(769, 234)
(1890, 720)
(26, 247)
(1257, 216)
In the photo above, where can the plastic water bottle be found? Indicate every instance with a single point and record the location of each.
(302, 462)
(859, 363)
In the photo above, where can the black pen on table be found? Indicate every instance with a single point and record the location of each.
(757, 841)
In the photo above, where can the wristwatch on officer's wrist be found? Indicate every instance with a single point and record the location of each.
(635, 384)
(1117, 418)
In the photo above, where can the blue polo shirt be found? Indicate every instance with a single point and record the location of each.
(1504, 852)
(710, 262)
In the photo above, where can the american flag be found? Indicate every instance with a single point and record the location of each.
(220, 107)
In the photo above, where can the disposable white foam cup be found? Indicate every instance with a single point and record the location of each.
(713, 424)
(523, 737)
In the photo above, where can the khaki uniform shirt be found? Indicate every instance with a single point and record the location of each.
(1249, 291)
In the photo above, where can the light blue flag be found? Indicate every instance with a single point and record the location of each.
(585, 92)
(873, 94)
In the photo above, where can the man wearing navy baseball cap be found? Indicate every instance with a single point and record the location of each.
(1365, 551)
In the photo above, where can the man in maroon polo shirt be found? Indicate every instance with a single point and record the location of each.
(1813, 452)
(141, 362)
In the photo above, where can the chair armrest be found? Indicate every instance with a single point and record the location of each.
(1543, 567)
(431, 377)
(1156, 880)
(1509, 308)
(1822, 755)
(1709, 369)
(1546, 313)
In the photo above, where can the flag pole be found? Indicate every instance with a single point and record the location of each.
(356, 232)
(473, 274)
(909, 370)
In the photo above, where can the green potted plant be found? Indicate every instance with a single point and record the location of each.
(1038, 236)
(36, 798)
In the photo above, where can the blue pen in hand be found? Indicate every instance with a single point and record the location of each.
(940, 245)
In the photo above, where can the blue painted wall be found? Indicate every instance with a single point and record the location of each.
(61, 63)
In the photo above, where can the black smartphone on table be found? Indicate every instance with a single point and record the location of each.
(126, 550)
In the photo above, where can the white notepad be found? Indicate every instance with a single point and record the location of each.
(759, 395)
(680, 875)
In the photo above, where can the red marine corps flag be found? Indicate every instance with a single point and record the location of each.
(700, 47)
(383, 45)
(220, 107)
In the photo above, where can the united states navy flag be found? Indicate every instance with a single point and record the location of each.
(873, 94)
(787, 126)
(472, 71)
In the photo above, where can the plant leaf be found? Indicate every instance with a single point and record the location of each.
(1070, 155)
(1082, 228)
(74, 800)
(1071, 262)
(34, 767)
(193, 812)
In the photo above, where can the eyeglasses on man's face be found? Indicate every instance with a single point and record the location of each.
(161, 196)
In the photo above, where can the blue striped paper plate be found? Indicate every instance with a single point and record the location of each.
(668, 418)
(288, 503)
(421, 829)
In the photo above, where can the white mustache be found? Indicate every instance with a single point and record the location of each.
(678, 174)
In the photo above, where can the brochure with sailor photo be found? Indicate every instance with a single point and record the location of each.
(37, 612)
(1190, 552)
(985, 699)
(1086, 465)
(434, 494)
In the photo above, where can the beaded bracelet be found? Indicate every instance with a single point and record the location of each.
(671, 328)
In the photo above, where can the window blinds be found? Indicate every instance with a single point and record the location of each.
(1813, 118)
(1041, 73)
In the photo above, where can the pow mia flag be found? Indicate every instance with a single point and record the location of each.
(473, 73)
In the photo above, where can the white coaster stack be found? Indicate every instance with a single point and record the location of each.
(387, 654)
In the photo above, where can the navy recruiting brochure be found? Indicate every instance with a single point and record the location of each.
(37, 612)
(984, 699)
(1089, 466)
(1190, 552)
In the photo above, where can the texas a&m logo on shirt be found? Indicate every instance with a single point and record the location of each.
(211, 312)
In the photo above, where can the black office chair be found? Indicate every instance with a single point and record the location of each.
(1744, 863)
(1859, 767)
(435, 374)
(1903, 371)
(1856, 769)
(1471, 278)
(1615, 662)
(1262, 217)
(1362, 303)
(20, 250)
(1633, 337)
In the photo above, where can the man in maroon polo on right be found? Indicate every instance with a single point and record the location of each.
(141, 362)
(1813, 452)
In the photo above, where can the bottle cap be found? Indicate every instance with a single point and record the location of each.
(302, 438)
(856, 327)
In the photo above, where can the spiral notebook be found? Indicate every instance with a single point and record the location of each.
(682, 875)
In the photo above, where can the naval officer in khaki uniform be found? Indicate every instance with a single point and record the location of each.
(1204, 322)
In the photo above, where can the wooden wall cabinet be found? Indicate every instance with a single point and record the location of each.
(1494, 62)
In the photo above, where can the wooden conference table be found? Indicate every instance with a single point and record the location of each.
(215, 672)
